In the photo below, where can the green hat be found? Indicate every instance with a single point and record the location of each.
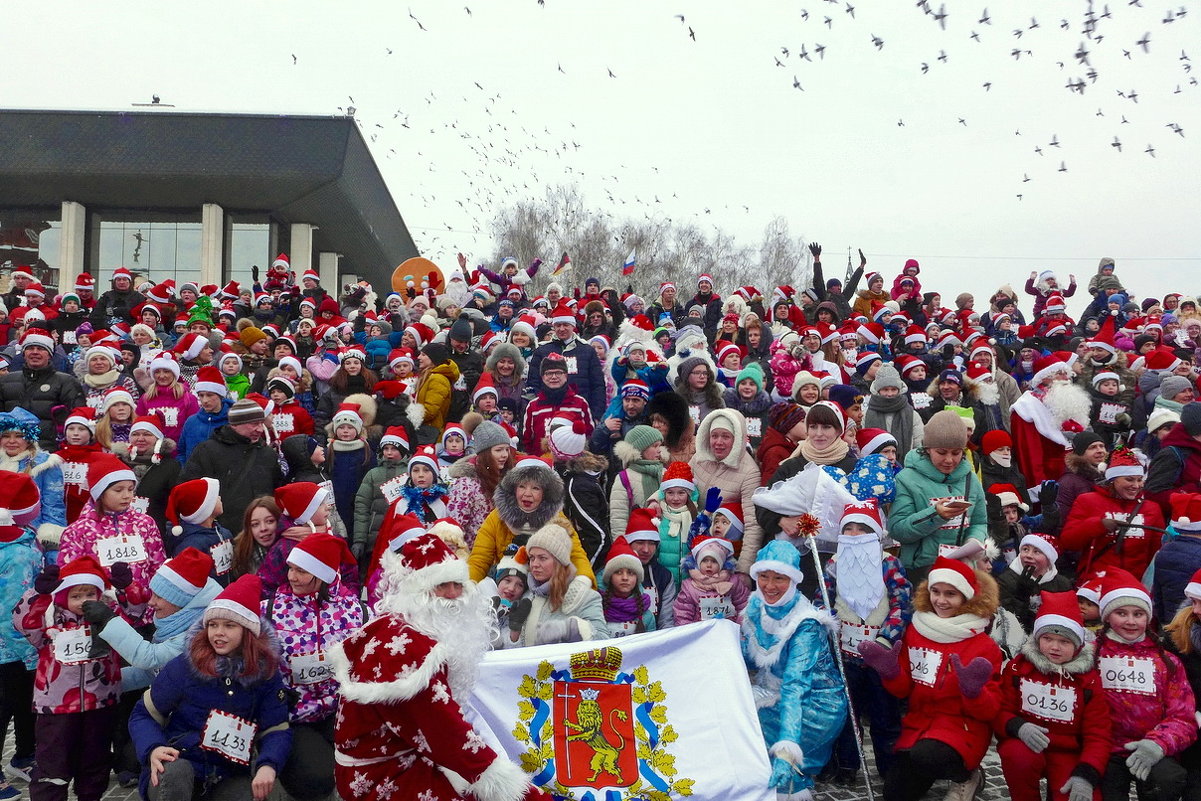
(753, 372)
(642, 437)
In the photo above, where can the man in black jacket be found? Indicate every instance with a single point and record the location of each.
(38, 388)
(709, 302)
(237, 455)
(471, 366)
(116, 305)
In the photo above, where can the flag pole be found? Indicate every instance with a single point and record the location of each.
(842, 671)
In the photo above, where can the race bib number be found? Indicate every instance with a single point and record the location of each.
(140, 505)
(921, 400)
(717, 607)
(223, 556)
(924, 664)
(284, 422)
(170, 415)
(1048, 702)
(69, 338)
(955, 521)
(393, 488)
(1128, 674)
(945, 548)
(1108, 413)
(572, 367)
(754, 427)
(311, 668)
(125, 548)
(1133, 532)
(228, 735)
(695, 413)
(328, 486)
(853, 634)
(622, 629)
(71, 645)
(75, 474)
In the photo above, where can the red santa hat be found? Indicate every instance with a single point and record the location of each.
(1047, 366)
(179, 580)
(162, 293)
(422, 333)
(311, 275)
(562, 314)
(450, 430)
(727, 349)
(908, 363)
(348, 414)
(1186, 511)
(423, 562)
(35, 290)
(621, 555)
(1118, 589)
(719, 547)
(1104, 338)
(866, 513)
(678, 475)
(301, 500)
(281, 263)
(151, 423)
(164, 361)
(402, 529)
(1123, 462)
(24, 271)
(1055, 304)
(1162, 360)
(115, 395)
(322, 555)
(1044, 543)
(425, 455)
(956, 574)
(399, 355)
(977, 372)
(35, 337)
(82, 571)
(238, 602)
(871, 440)
(732, 511)
(486, 386)
(83, 416)
(1008, 495)
(642, 525)
(209, 379)
(104, 471)
(1059, 614)
(1090, 588)
(396, 436)
(192, 502)
(120, 272)
(22, 501)
(1192, 590)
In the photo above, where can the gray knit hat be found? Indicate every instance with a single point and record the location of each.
(1173, 385)
(945, 430)
(553, 539)
(887, 376)
(245, 411)
(488, 435)
(642, 437)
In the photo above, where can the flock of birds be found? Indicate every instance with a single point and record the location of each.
(1084, 49)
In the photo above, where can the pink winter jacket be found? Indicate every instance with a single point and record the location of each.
(174, 412)
(1163, 713)
(688, 602)
(306, 626)
(83, 535)
(60, 688)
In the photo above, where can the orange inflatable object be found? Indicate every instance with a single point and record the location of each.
(417, 269)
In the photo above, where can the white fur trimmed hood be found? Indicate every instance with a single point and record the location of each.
(737, 423)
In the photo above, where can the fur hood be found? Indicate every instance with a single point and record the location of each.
(463, 468)
(230, 667)
(12, 464)
(674, 409)
(1081, 663)
(985, 604)
(504, 499)
(737, 422)
(627, 453)
(587, 462)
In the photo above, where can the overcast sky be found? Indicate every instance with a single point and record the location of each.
(711, 123)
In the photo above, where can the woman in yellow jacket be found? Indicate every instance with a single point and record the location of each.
(435, 381)
(528, 497)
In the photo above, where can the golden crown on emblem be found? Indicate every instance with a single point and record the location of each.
(601, 664)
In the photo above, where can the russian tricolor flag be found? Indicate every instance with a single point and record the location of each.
(630, 263)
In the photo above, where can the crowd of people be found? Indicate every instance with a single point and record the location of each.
(259, 534)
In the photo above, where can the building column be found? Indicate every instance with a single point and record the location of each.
(327, 266)
(212, 243)
(71, 244)
(300, 254)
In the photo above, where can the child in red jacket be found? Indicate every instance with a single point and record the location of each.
(1151, 703)
(1054, 719)
(948, 667)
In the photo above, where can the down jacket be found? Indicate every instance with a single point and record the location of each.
(20, 563)
(370, 505)
(1163, 713)
(433, 395)
(1083, 531)
(39, 392)
(737, 476)
(307, 625)
(46, 471)
(245, 469)
(912, 519)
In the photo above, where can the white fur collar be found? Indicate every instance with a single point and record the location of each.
(756, 619)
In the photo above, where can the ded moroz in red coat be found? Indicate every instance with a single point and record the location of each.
(938, 709)
(1084, 531)
(1037, 425)
(398, 726)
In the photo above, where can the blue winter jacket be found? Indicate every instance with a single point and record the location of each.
(173, 712)
(1175, 564)
(46, 471)
(200, 426)
(20, 563)
(203, 539)
(146, 659)
(796, 684)
(347, 469)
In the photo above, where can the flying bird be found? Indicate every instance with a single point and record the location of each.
(1145, 42)
(419, 25)
(829, 22)
(851, 10)
(691, 33)
(1116, 143)
(925, 68)
(611, 75)
(804, 55)
(942, 56)
(987, 85)
(1038, 150)
(984, 18)
(941, 16)
(1063, 167)
(878, 42)
(293, 58)
(975, 36)
(796, 84)
(1054, 141)
(963, 122)
(820, 49)
(1150, 151)
(1025, 178)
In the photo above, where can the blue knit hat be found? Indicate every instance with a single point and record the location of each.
(180, 579)
(780, 557)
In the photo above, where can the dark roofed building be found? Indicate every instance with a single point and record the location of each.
(194, 197)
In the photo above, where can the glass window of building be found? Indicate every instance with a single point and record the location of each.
(152, 247)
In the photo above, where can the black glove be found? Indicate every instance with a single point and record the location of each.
(46, 581)
(948, 353)
(1052, 519)
(97, 614)
(411, 292)
(1048, 493)
(121, 575)
(360, 323)
(254, 272)
(518, 613)
(816, 250)
(995, 510)
(1027, 583)
(358, 550)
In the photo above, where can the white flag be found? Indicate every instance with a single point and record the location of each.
(651, 716)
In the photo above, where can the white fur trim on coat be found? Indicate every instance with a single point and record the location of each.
(502, 781)
(416, 414)
(50, 534)
(788, 751)
(372, 692)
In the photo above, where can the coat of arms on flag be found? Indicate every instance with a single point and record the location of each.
(594, 727)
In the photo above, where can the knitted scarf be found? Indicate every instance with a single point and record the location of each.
(106, 379)
(834, 452)
(949, 629)
(879, 407)
(651, 472)
(626, 610)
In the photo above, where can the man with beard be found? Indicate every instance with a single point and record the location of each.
(400, 731)
(1046, 417)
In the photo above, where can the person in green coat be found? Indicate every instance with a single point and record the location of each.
(375, 494)
(940, 502)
